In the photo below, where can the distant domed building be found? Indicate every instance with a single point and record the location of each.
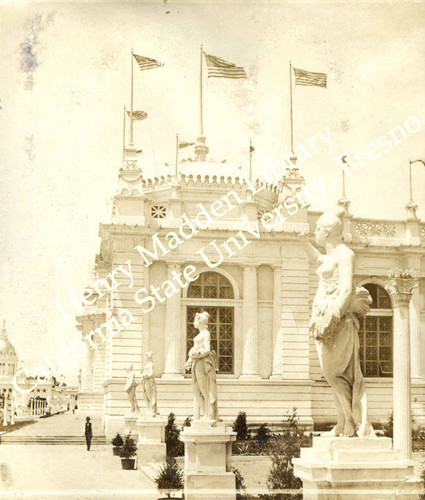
(258, 295)
(31, 402)
(8, 361)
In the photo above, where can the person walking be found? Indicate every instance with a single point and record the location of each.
(88, 433)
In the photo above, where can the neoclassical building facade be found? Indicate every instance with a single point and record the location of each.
(259, 299)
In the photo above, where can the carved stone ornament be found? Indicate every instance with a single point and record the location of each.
(401, 286)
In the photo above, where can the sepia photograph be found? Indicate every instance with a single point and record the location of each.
(213, 249)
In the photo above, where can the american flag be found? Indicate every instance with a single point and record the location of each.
(307, 78)
(138, 115)
(147, 62)
(219, 68)
(185, 144)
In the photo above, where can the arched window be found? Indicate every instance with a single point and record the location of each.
(376, 335)
(205, 294)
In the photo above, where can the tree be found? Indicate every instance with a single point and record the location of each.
(286, 447)
(175, 448)
(129, 449)
(240, 427)
(170, 476)
(117, 441)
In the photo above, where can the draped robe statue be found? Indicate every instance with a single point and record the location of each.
(334, 325)
(202, 362)
(130, 388)
(149, 385)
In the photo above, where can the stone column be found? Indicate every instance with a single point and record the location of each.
(172, 335)
(12, 416)
(401, 286)
(414, 308)
(249, 340)
(277, 323)
(414, 262)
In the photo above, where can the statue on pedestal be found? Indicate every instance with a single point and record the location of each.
(130, 388)
(149, 385)
(202, 362)
(334, 325)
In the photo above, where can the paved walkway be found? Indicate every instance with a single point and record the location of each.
(65, 424)
(57, 471)
(51, 472)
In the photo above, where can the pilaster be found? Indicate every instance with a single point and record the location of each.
(250, 323)
(277, 323)
(173, 342)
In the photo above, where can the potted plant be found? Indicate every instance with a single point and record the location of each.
(117, 442)
(127, 452)
(169, 478)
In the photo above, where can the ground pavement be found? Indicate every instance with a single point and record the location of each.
(67, 471)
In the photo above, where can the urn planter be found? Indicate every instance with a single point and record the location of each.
(128, 452)
(128, 463)
(116, 450)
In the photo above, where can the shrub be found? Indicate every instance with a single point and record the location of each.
(285, 447)
(117, 441)
(187, 422)
(175, 448)
(263, 434)
(422, 495)
(240, 427)
(240, 481)
(169, 477)
(129, 449)
(389, 426)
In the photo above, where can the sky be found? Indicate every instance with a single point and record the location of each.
(66, 77)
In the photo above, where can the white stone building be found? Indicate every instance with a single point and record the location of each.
(259, 299)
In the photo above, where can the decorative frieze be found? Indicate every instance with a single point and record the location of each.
(375, 229)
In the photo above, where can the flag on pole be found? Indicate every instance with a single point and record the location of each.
(308, 78)
(147, 62)
(138, 115)
(219, 68)
(184, 144)
(251, 148)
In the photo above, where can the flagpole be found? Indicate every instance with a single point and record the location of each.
(123, 136)
(250, 159)
(177, 154)
(131, 102)
(200, 97)
(291, 111)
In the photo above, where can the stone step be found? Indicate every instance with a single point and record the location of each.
(354, 471)
(344, 456)
(365, 456)
(352, 444)
(59, 440)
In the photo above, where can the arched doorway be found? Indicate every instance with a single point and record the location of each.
(376, 335)
(213, 292)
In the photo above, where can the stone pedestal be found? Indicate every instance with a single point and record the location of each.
(151, 445)
(130, 421)
(354, 468)
(207, 461)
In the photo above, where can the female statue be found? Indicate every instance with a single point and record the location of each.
(334, 325)
(202, 362)
(149, 384)
(130, 389)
